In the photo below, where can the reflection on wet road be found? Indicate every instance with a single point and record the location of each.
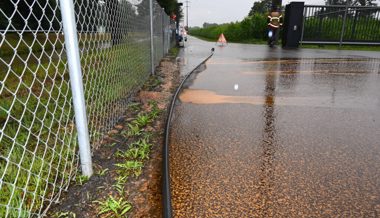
(272, 133)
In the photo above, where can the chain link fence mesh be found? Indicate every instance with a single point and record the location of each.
(38, 141)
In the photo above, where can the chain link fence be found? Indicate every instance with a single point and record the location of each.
(38, 137)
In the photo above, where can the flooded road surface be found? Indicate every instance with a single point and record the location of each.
(272, 133)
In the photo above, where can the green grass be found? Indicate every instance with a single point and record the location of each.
(174, 51)
(36, 173)
(135, 107)
(133, 131)
(131, 164)
(142, 120)
(135, 128)
(112, 207)
(138, 150)
(152, 82)
(39, 134)
(247, 41)
(329, 28)
(81, 179)
(343, 47)
(28, 42)
(129, 168)
(120, 184)
(130, 161)
(102, 172)
(40, 151)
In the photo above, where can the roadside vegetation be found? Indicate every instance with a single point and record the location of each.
(130, 161)
(251, 30)
(127, 179)
(38, 143)
(37, 153)
(343, 47)
(329, 28)
(38, 146)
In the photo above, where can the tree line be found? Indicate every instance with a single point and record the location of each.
(264, 6)
(45, 14)
(253, 28)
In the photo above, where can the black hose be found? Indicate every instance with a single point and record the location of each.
(166, 175)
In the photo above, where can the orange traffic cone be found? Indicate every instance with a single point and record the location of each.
(222, 40)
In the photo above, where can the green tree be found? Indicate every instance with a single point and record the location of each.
(170, 6)
(351, 2)
(260, 7)
(205, 25)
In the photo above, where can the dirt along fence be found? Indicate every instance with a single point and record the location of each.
(116, 46)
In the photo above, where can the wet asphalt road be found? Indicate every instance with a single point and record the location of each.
(277, 133)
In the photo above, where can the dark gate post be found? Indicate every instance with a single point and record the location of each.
(293, 24)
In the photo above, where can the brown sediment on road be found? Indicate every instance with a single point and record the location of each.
(206, 97)
(209, 97)
(251, 62)
(323, 72)
(289, 61)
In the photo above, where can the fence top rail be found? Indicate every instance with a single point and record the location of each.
(325, 14)
(335, 12)
(337, 42)
(342, 6)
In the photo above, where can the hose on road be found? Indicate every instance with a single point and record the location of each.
(167, 210)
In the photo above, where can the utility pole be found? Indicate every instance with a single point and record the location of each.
(187, 13)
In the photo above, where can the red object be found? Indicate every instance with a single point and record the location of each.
(173, 16)
(222, 40)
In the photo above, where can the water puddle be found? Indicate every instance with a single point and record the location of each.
(264, 138)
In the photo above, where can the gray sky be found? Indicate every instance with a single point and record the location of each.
(217, 11)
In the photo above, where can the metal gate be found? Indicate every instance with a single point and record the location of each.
(333, 24)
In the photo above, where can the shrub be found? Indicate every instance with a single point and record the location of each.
(251, 28)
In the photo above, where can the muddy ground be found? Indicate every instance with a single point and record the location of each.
(143, 192)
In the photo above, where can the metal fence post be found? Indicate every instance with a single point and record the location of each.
(151, 35)
(320, 22)
(343, 26)
(303, 23)
(354, 24)
(163, 31)
(72, 52)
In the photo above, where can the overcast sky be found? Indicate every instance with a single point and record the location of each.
(217, 11)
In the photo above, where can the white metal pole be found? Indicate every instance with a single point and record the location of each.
(72, 52)
(187, 14)
(163, 31)
(151, 35)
